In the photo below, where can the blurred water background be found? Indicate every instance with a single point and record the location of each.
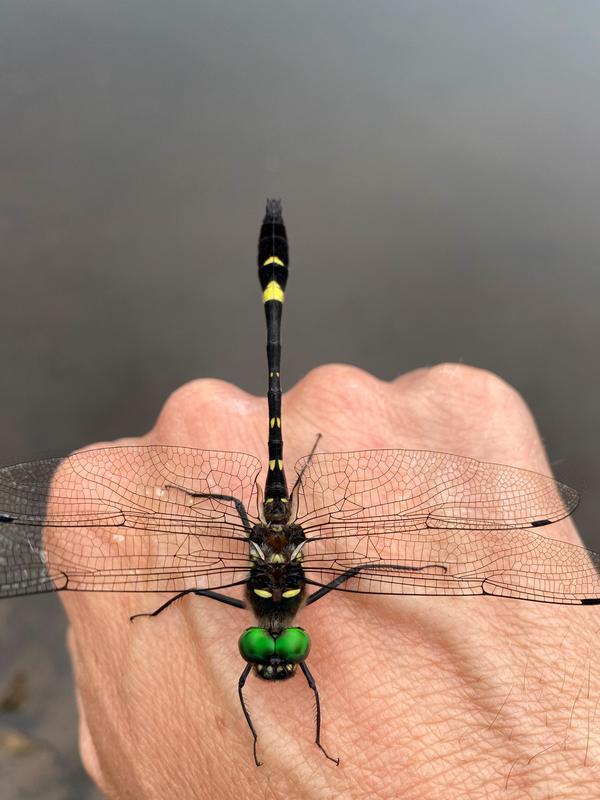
(440, 167)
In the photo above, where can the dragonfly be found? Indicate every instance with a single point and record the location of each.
(188, 521)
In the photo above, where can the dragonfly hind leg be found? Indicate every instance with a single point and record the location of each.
(221, 598)
(239, 506)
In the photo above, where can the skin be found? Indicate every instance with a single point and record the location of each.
(422, 698)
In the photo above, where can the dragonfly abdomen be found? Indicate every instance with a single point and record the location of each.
(273, 275)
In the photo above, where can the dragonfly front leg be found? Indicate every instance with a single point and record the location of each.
(353, 571)
(221, 598)
(311, 682)
(241, 683)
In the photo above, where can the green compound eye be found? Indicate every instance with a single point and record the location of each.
(292, 644)
(256, 645)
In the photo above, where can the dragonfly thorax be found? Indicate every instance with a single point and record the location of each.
(276, 585)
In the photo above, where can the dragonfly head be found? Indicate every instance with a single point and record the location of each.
(274, 656)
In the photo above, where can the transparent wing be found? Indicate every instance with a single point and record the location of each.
(419, 522)
(519, 564)
(422, 490)
(124, 519)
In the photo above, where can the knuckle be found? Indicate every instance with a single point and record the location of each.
(188, 394)
(473, 385)
(196, 397)
(455, 405)
(337, 382)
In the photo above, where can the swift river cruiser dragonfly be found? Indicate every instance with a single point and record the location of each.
(187, 521)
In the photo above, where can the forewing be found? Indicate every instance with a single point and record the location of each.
(123, 519)
(518, 564)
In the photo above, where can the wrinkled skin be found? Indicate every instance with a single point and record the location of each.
(423, 698)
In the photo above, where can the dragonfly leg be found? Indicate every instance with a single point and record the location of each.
(239, 506)
(337, 582)
(309, 458)
(221, 598)
(241, 684)
(311, 682)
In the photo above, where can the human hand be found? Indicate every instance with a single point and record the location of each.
(422, 697)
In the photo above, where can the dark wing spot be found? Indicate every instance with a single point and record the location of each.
(537, 523)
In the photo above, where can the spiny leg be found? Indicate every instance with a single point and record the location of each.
(221, 598)
(311, 682)
(355, 570)
(239, 506)
(241, 684)
(306, 464)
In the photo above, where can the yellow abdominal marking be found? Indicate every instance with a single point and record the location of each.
(273, 292)
(264, 593)
(272, 464)
(273, 260)
(275, 421)
(291, 593)
(280, 464)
